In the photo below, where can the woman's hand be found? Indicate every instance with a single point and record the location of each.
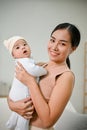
(23, 107)
(22, 75)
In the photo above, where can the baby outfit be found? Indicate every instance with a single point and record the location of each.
(20, 91)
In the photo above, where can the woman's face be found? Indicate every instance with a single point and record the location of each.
(59, 46)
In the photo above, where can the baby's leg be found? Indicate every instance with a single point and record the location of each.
(12, 122)
(22, 124)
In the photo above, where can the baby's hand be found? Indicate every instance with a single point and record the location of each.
(41, 63)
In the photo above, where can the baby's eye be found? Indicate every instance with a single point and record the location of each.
(25, 44)
(17, 47)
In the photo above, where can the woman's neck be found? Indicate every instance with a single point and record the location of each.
(52, 63)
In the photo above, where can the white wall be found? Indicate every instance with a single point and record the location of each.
(34, 20)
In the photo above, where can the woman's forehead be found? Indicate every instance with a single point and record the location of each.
(61, 34)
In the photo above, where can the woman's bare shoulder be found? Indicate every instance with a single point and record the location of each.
(66, 80)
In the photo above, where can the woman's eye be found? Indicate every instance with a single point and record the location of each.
(63, 44)
(52, 40)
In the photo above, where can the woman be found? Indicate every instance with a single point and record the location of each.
(49, 98)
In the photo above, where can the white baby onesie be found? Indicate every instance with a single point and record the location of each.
(20, 91)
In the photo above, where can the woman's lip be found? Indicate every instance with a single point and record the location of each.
(54, 53)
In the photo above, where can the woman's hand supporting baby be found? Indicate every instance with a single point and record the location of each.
(23, 107)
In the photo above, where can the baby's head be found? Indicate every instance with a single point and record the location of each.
(18, 47)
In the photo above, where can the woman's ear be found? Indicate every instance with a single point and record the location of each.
(73, 49)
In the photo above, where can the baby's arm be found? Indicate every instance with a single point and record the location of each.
(36, 70)
(33, 69)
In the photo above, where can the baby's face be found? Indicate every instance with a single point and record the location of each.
(21, 49)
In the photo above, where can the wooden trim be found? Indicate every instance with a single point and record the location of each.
(85, 79)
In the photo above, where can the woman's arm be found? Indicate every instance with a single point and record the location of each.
(23, 107)
(49, 112)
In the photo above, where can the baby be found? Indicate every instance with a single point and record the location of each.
(21, 52)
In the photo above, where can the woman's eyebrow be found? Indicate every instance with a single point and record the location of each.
(63, 41)
(53, 37)
(60, 40)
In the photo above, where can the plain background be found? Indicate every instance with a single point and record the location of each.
(34, 20)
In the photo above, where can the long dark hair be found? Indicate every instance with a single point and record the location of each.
(74, 33)
(68, 62)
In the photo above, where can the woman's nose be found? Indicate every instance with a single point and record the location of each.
(55, 47)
